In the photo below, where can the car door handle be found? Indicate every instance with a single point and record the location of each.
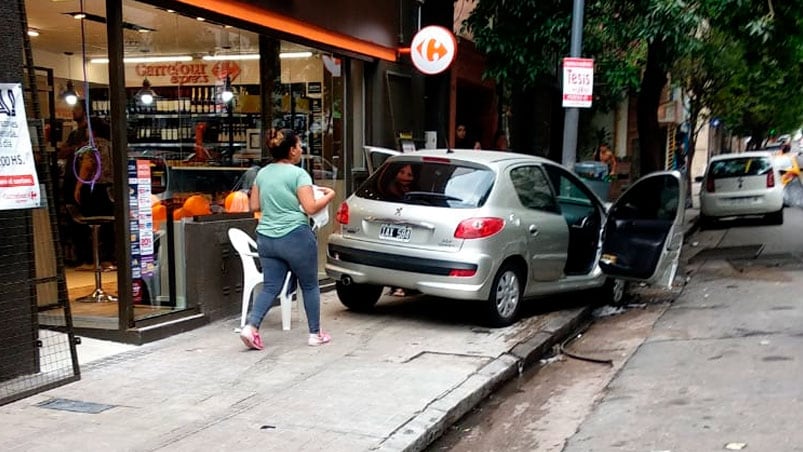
(533, 230)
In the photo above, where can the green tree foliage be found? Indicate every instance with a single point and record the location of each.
(739, 58)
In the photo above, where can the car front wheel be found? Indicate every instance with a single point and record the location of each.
(615, 292)
(505, 297)
(358, 297)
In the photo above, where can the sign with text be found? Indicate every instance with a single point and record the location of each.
(433, 49)
(19, 183)
(578, 82)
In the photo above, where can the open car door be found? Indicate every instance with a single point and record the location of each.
(643, 232)
(375, 156)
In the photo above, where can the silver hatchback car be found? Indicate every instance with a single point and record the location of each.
(498, 227)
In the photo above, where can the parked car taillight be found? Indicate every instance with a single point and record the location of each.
(342, 215)
(770, 179)
(709, 185)
(477, 228)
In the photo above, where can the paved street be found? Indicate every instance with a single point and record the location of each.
(722, 367)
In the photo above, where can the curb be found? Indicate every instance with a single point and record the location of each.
(428, 425)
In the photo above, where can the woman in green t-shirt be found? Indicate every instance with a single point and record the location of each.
(285, 239)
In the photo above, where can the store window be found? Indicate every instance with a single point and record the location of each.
(194, 130)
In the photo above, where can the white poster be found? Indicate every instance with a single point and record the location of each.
(19, 184)
(578, 82)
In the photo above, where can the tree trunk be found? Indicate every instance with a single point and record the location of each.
(649, 98)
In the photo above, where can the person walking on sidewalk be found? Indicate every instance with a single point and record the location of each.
(285, 240)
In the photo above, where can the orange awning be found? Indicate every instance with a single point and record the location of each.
(269, 19)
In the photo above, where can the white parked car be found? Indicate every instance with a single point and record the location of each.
(743, 184)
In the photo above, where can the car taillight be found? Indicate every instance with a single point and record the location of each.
(709, 185)
(770, 179)
(462, 273)
(342, 215)
(477, 228)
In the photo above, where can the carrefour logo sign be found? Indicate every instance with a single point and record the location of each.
(433, 49)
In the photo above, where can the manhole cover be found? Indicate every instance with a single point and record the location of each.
(729, 252)
(76, 406)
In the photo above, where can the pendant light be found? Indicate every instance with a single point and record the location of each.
(146, 94)
(227, 95)
(69, 95)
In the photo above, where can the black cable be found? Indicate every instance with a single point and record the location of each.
(562, 349)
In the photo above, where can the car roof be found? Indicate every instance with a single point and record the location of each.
(473, 155)
(742, 155)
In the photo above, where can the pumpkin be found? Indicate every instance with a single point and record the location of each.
(236, 201)
(197, 205)
(178, 214)
(159, 212)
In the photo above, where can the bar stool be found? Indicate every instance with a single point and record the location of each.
(94, 222)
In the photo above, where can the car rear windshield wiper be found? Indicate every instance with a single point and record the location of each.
(428, 197)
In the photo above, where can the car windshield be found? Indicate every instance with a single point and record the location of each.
(442, 184)
(735, 167)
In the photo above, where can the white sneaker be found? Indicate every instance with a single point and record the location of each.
(319, 339)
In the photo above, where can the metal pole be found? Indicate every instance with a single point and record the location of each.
(572, 115)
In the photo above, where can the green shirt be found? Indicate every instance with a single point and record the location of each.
(281, 212)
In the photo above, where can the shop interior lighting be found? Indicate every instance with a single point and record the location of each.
(69, 95)
(288, 55)
(102, 20)
(33, 32)
(227, 95)
(146, 93)
(147, 59)
(231, 56)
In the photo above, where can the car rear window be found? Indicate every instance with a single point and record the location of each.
(429, 183)
(747, 166)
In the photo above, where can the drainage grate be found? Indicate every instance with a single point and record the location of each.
(75, 406)
(729, 252)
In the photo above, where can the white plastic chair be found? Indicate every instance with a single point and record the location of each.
(252, 277)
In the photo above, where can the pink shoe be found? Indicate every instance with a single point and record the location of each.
(319, 339)
(250, 337)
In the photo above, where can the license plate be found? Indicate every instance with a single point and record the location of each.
(395, 232)
(742, 201)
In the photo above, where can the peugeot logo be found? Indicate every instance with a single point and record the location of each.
(398, 211)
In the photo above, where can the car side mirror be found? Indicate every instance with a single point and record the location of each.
(699, 178)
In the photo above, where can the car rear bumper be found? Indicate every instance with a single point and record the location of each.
(730, 205)
(429, 275)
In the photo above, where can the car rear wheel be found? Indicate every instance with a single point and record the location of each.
(358, 297)
(775, 217)
(505, 297)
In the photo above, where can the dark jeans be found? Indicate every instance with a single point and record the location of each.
(296, 251)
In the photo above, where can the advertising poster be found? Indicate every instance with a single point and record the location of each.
(578, 82)
(141, 218)
(19, 183)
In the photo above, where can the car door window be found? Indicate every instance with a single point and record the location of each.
(533, 189)
(656, 200)
(574, 200)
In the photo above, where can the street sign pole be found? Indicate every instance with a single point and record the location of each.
(572, 115)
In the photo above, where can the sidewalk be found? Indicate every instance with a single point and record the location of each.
(391, 380)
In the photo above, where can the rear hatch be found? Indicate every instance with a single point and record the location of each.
(741, 176)
(418, 202)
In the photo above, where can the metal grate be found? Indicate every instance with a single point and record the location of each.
(32, 282)
(76, 406)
